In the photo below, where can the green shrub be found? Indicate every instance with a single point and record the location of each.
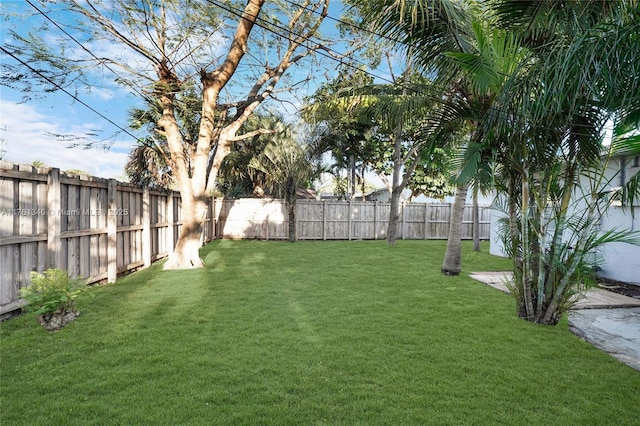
(52, 292)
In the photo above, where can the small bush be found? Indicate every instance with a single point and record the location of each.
(51, 296)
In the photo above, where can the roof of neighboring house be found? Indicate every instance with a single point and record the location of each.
(306, 194)
(621, 152)
(378, 191)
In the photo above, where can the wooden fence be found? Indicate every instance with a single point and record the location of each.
(339, 220)
(100, 228)
(91, 227)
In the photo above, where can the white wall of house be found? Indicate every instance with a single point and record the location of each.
(496, 247)
(621, 261)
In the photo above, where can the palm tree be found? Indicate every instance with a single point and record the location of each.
(342, 125)
(287, 168)
(492, 56)
(540, 79)
(149, 162)
(471, 61)
(580, 72)
(236, 177)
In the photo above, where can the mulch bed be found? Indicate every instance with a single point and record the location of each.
(626, 289)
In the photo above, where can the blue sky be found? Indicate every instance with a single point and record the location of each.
(28, 129)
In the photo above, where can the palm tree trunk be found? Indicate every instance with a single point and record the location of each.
(453, 257)
(526, 255)
(476, 220)
(291, 210)
(352, 166)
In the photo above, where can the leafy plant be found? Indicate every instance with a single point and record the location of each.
(52, 292)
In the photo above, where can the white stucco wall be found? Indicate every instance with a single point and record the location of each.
(621, 261)
(496, 247)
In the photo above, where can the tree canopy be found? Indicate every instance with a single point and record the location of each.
(164, 50)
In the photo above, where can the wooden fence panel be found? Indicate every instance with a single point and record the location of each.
(157, 209)
(26, 192)
(23, 230)
(309, 220)
(277, 220)
(175, 220)
(130, 228)
(251, 219)
(338, 220)
(438, 221)
(362, 220)
(484, 222)
(382, 217)
(91, 227)
(413, 220)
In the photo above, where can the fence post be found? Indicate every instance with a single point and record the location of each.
(146, 227)
(112, 232)
(214, 219)
(211, 211)
(54, 218)
(295, 220)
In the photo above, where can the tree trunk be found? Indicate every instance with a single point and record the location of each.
(394, 215)
(397, 188)
(186, 253)
(476, 220)
(364, 196)
(453, 256)
(352, 166)
(514, 241)
(526, 249)
(291, 209)
(192, 170)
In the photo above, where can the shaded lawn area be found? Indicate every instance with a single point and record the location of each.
(338, 333)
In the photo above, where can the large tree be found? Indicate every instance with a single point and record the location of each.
(161, 49)
(390, 129)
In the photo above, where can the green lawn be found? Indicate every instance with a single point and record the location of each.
(336, 333)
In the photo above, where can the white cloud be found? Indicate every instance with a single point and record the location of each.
(104, 94)
(28, 137)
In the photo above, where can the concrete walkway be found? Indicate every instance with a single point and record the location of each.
(607, 320)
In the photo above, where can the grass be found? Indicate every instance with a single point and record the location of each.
(337, 333)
